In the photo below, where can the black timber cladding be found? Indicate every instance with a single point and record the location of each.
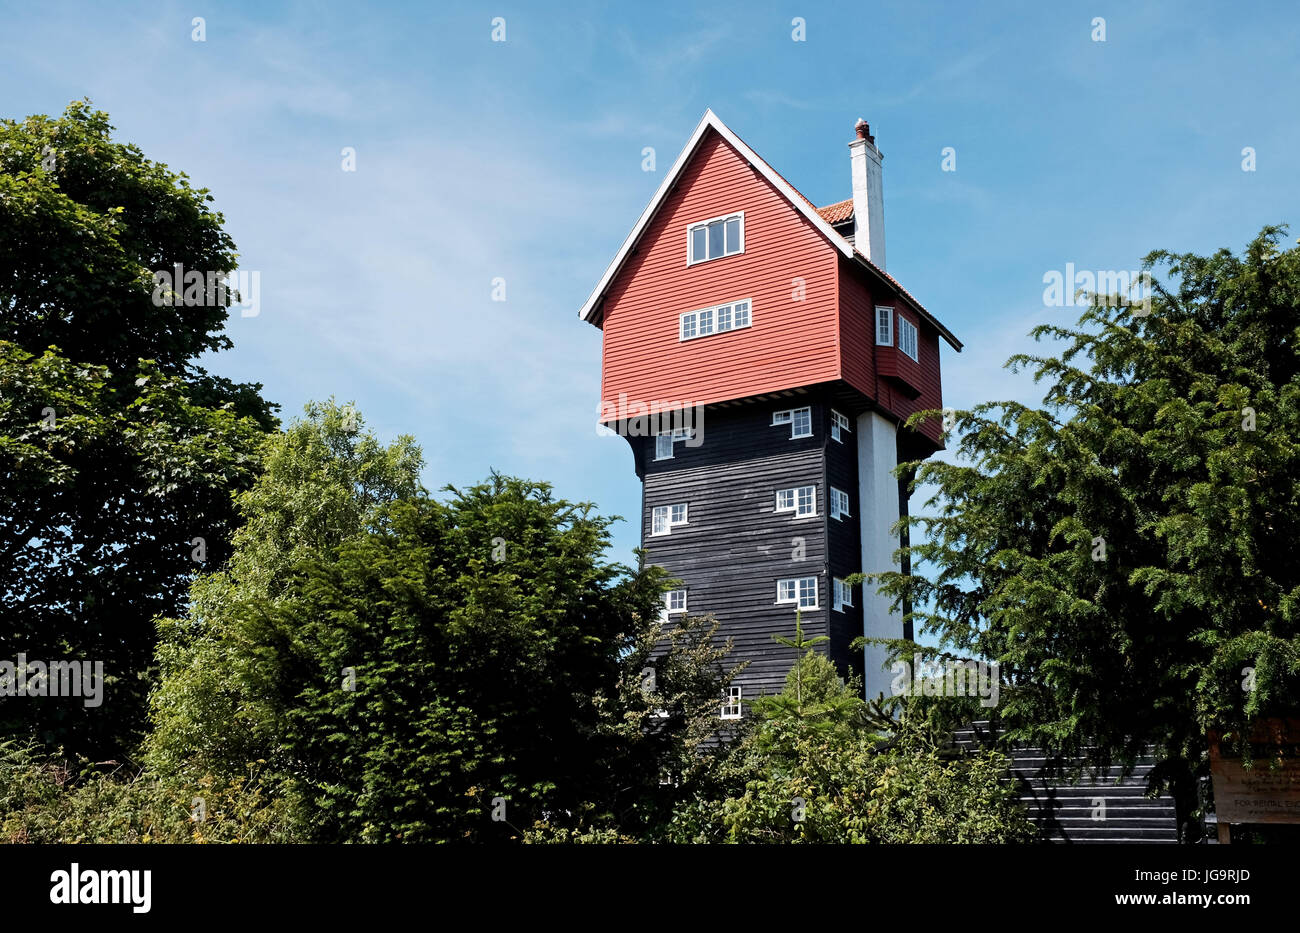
(735, 545)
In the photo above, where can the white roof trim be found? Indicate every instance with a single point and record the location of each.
(709, 120)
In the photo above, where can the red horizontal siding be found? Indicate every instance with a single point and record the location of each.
(866, 371)
(790, 343)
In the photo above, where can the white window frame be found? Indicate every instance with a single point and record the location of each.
(705, 223)
(668, 602)
(693, 318)
(907, 336)
(795, 506)
(677, 434)
(732, 708)
(787, 416)
(888, 320)
(842, 594)
(840, 504)
(799, 585)
(839, 424)
(668, 523)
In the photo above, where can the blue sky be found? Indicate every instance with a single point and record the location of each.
(522, 160)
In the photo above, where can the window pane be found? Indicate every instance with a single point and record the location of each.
(688, 326)
(807, 500)
(663, 446)
(715, 240)
(835, 431)
(659, 520)
(785, 499)
(678, 514)
(802, 422)
(884, 331)
(742, 314)
(781, 417)
(724, 318)
(706, 322)
(733, 235)
(785, 590)
(697, 244)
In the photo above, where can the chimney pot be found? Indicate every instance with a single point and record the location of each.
(863, 130)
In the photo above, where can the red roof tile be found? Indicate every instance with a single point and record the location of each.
(837, 213)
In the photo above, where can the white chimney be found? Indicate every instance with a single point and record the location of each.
(868, 195)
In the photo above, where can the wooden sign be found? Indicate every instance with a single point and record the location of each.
(1267, 792)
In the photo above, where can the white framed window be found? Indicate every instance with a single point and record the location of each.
(797, 591)
(885, 327)
(731, 708)
(842, 594)
(799, 419)
(839, 503)
(664, 517)
(665, 441)
(716, 320)
(907, 336)
(839, 426)
(801, 500)
(715, 238)
(675, 601)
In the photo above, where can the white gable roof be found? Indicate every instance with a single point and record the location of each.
(709, 120)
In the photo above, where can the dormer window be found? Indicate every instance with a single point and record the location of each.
(713, 239)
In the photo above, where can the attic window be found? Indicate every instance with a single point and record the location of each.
(713, 239)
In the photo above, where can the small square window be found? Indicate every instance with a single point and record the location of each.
(677, 515)
(839, 503)
(724, 318)
(839, 426)
(799, 591)
(675, 600)
(706, 322)
(742, 314)
(843, 595)
(731, 709)
(801, 500)
(688, 325)
(799, 419)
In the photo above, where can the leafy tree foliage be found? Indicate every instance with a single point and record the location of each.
(1125, 551)
(407, 667)
(814, 766)
(116, 449)
(323, 481)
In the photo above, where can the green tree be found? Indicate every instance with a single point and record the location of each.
(397, 663)
(116, 450)
(818, 764)
(323, 482)
(1124, 551)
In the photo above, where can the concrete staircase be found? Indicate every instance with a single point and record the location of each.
(1064, 812)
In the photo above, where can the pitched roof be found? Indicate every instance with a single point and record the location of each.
(814, 215)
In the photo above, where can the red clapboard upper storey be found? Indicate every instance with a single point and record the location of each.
(732, 284)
